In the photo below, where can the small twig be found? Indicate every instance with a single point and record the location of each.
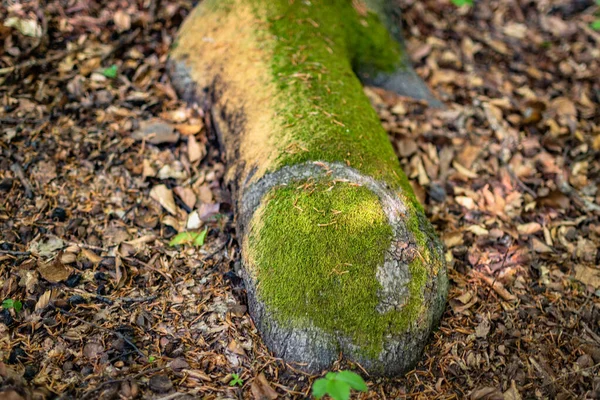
(568, 190)
(137, 299)
(151, 268)
(86, 246)
(18, 170)
(567, 374)
(497, 286)
(521, 184)
(221, 247)
(118, 334)
(15, 253)
(113, 300)
(593, 334)
(35, 62)
(123, 42)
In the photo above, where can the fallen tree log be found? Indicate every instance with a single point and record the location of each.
(337, 254)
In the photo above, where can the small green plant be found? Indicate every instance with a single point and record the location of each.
(236, 380)
(596, 24)
(110, 72)
(196, 239)
(338, 384)
(151, 359)
(14, 304)
(460, 3)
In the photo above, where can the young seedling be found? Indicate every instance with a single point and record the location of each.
(460, 3)
(338, 384)
(236, 380)
(196, 239)
(595, 25)
(110, 72)
(14, 304)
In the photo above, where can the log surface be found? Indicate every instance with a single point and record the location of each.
(337, 254)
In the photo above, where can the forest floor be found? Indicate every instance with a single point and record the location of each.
(98, 305)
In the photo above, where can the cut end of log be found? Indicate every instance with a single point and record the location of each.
(338, 262)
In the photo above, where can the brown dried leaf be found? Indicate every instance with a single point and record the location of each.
(206, 211)
(186, 195)
(164, 196)
(196, 151)
(196, 374)
(466, 202)
(189, 129)
(140, 242)
(54, 271)
(555, 199)
(459, 308)
(482, 330)
(496, 285)
(515, 30)
(453, 239)
(563, 107)
(234, 347)
(512, 393)
(46, 247)
(173, 222)
(465, 297)
(68, 258)
(486, 393)
(156, 131)
(10, 394)
(44, 300)
(443, 76)
(93, 350)
(91, 256)
(147, 169)
(529, 228)
(463, 170)
(468, 155)
(122, 20)
(586, 250)
(478, 230)
(407, 147)
(261, 390)
(540, 247)
(178, 364)
(588, 275)
(120, 272)
(27, 27)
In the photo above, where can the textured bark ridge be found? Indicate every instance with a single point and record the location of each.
(337, 255)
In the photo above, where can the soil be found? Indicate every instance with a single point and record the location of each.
(101, 164)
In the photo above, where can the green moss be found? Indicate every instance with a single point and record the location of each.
(326, 116)
(316, 249)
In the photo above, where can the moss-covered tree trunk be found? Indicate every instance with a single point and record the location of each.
(337, 254)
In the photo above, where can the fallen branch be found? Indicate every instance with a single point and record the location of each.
(277, 76)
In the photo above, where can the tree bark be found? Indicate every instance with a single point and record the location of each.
(337, 254)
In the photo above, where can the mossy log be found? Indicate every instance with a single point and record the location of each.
(337, 254)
